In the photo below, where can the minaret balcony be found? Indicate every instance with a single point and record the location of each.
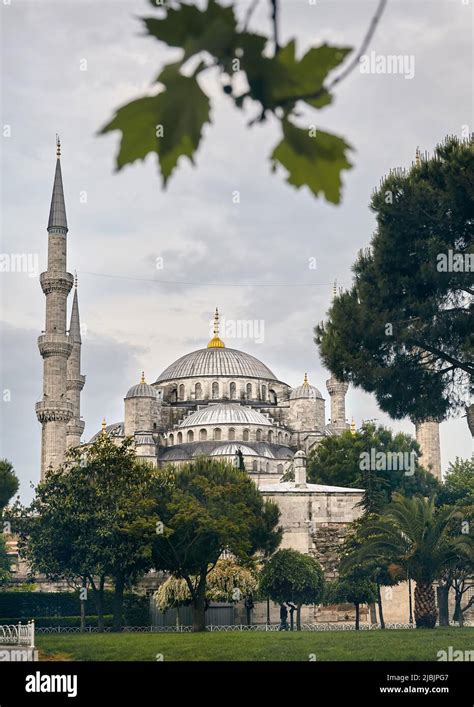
(75, 427)
(54, 345)
(76, 383)
(54, 411)
(56, 281)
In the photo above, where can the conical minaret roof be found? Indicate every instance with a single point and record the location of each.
(57, 211)
(75, 326)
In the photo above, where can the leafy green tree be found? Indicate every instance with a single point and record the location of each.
(8, 487)
(357, 461)
(289, 577)
(207, 507)
(278, 84)
(92, 519)
(416, 536)
(404, 329)
(458, 483)
(351, 588)
(8, 482)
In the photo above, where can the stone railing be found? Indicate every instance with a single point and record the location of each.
(18, 634)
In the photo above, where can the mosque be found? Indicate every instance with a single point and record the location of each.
(216, 401)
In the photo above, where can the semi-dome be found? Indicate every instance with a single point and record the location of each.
(214, 362)
(141, 390)
(305, 390)
(232, 449)
(225, 413)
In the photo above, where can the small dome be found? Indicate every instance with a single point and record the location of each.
(305, 390)
(232, 449)
(142, 390)
(300, 454)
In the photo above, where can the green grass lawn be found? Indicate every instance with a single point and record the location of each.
(409, 645)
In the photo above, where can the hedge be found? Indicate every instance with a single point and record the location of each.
(24, 606)
(64, 621)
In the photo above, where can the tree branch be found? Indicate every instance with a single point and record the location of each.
(350, 67)
(445, 357)
(274, 4)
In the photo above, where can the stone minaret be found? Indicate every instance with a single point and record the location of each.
(75, 381)
(55, 410)
(337, 391)
(427, 436)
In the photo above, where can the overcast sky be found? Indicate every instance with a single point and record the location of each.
(245, 258)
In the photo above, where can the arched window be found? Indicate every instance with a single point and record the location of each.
(280, 439)
(217, 434)
(215, 389)
(264, 392)
(181, 392)
(249, 390)
(173, 395)
(270, 436)
(254, 465)
(233, 391)
(180, 437)
(287, 438)
(190, 436)
(232, 434)
(258, 436)
(198, 391)
(246, 435)
(171, 440)
(280, 468)
(202, 435)
(267, 467)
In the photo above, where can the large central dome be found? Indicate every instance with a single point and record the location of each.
(216, 362)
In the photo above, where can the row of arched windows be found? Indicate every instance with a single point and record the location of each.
(216, 392)
(271, 436)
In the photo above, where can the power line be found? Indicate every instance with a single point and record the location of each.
(209, 284)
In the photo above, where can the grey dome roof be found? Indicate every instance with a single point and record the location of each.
(231, 450)
(117, 429)
(223, 413)
(305, 390)
(216, 362)
(141, 390)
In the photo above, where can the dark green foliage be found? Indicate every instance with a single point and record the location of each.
(23, 606)
(171, 122)
(458, 484)
(404, 329)
(293, 578)
(8, 482)
(337, 461)
(208, 507)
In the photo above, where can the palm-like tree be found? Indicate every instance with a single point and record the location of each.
(414, 535)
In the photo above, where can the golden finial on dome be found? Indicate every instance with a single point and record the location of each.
(104, 425)
(142, 379)
(58, 146)
(216, 342)
(305, 382)
(353, 427)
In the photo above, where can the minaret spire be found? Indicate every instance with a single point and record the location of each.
(216, 342)
(75, 381)
(54, 411)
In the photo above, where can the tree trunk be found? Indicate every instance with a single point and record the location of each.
(379, 603)
(83, 615)
(298, 617)
(458, 613)
(470, 418)
(425, 605)
(118, 604)
(99, 601)
(357, 606)
(442, 592)
(199, 612)
(292, 618)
